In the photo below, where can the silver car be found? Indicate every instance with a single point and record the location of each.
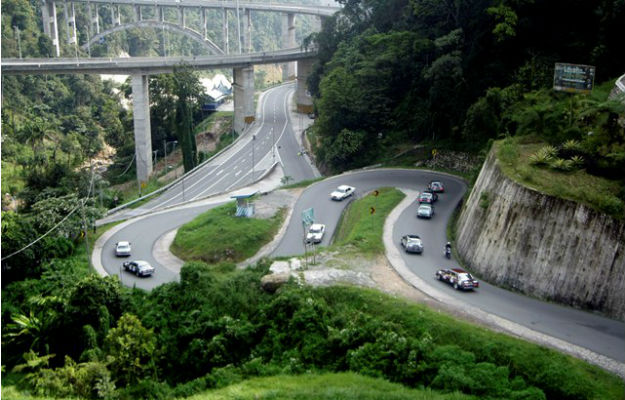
(425, 211)
(412, 244)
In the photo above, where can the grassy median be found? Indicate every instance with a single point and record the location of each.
(218, 235)
(362, 223)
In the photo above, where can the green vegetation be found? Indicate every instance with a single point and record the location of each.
(233, 331)
(517, 162)
(218, 235)
(344, 386)
(301, 184)
(362, 228)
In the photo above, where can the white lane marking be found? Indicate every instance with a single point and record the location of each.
(210, 187)
(237, 174)
(219, 173)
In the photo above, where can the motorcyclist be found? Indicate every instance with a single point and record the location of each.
(448, 249)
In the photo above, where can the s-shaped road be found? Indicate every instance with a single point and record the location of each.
(601, 335)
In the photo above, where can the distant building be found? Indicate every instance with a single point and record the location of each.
(218, 89)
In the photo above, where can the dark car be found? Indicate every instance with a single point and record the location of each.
(428, 197)
(412, 244)
(458, 278)
(436, 186)
(139, 267)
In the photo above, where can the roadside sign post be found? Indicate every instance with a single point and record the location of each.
(308, 218)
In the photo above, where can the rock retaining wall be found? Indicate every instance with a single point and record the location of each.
(541, 245)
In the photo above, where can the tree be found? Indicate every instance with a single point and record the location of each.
(188, 92)
(130, 350)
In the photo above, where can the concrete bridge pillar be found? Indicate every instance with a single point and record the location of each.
(160, 13)
(116, 18)
(182, 18)
(288, 42)
(141, 117)
(204, 27)
(50, 26)
(69, 15)
(138, 16)
(243, 89)
(302, 96)
(247, 31)
(226, 46)
(94, 19)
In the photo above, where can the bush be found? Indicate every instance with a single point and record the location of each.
(560, 164)
(484, 200)
(543, 156)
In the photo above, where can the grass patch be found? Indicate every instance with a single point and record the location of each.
(343, 385)
(218, 235)
(302, 184)
(361, 228)
(596, 192)
(208, 122)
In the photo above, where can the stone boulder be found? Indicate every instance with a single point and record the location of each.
(270, 283)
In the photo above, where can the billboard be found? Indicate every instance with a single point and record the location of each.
(573, 78)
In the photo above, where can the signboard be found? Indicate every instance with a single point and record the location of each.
(573, 78)
(308, 216)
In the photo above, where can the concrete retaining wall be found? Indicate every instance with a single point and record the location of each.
(541, 245)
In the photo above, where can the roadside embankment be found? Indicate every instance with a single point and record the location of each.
(542, 245)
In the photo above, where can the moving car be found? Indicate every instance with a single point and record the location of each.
(342, 192)
(425, 211)
(122, 249)
(315, 233)
(412, 244)
(436, 186)
(139, 267)
(458, 278)
(428, 197)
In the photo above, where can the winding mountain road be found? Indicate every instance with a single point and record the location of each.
(590, 331)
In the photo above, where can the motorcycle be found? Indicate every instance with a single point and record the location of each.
(448, 252)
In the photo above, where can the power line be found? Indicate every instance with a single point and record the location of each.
(81, 204)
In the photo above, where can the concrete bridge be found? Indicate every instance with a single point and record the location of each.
(141, 67)
(151, 14)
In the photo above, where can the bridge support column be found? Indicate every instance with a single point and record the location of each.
(160, 13)
(94, 19)
(70, 22)
(50, 26)
(288, 42)
(204, 27)
(303, 98)
(247, 31)
(138, 16)
(141, 117)
(225, 32)
(182, 18)
(243, 89)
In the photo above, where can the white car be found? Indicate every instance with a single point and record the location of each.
(122, 249)
(315, 233)
(342, 192)
(425, 211)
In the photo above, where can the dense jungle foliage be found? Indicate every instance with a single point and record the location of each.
(463, 72)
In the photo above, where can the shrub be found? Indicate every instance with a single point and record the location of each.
(578, 161)
(484, 200)
(560, 164)
(508, 152)
(543, 156)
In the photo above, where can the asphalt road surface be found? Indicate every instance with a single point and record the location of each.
(599, 334)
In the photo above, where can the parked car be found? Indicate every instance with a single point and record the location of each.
(139, 267)
(425, 211)
(315, 233)
(458, 278)
(412, 244)
(436, 186)
(122, 249)
(428, 197)
(342, 192)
